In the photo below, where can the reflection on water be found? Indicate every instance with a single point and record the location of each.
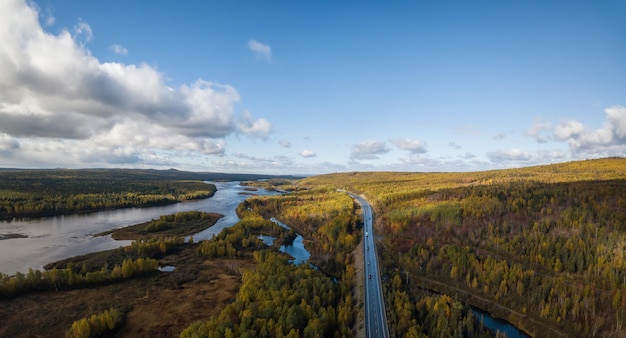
(267, 240)
(502, 326)
(167, 268)
(54, 238)
(295, 249)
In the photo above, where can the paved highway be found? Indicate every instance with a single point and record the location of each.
(375, 318)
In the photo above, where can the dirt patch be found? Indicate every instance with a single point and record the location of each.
(158, 305)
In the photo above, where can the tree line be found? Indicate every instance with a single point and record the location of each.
(33, 196)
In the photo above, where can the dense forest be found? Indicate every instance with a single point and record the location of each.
(35, 193)
(280, 299)
(542, 247)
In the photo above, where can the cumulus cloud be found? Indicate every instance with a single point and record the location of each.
(568, 129)
(307, 153)
(284, 143)
(509, 155)
(54, 92)
(412, 146)
(260, 128)
(610, 139)
(261, 51)
(118, 49)
(368, 150)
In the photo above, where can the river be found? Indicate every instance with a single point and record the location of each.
(53, 238)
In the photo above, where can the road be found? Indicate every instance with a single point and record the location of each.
(375, 318)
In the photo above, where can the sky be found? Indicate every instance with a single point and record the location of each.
(311, 87)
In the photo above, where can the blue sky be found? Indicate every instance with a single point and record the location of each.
(311, 87)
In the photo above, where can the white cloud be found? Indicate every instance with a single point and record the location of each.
(510, 155)
(48, 17)
(118, 49)
(368, 150)
(260, 128)
(262, 51)
(59, 101)
(284, 143)
(609, 140)
(617, 121)
(568, 129)
(412, 146)
(82, 31)
(538, 130)
(307, 153)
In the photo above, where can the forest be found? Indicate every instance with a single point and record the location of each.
(542, 247)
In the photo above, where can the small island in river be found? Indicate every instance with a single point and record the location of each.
(10, 236)
(178, 224)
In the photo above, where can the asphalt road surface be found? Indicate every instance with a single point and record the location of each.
(375, 318)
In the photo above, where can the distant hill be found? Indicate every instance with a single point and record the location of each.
(613, 168)
(134, 174)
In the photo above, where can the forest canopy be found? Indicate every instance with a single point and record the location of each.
(543, 247)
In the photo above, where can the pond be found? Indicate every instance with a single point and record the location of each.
(499, 325)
